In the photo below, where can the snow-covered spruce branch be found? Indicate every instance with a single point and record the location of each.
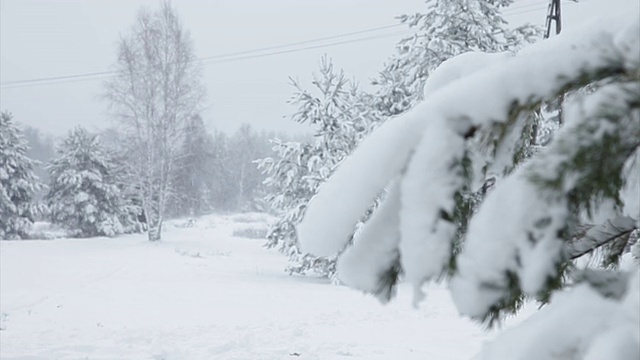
(515, 243)
(600, 235)
(529, 217)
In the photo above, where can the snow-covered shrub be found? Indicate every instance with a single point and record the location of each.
(43, 230)
(18, 183)
(523, 239)
(85, 194)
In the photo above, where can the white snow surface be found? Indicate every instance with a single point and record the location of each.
(203, 294)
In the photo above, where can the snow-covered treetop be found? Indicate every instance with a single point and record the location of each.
(446, 29)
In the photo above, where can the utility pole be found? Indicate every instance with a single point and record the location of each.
(553, 14)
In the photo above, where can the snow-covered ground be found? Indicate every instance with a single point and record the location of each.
(203, 293)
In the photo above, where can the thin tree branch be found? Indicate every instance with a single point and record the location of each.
(601, 235)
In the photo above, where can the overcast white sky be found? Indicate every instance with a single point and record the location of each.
(56, 38)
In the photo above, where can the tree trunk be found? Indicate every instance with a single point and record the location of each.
(155, 231)
(154, 219)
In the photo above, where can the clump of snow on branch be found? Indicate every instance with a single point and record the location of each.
(526, 225)
(371, 167)
(428, 231)
(530, 220)
(460, 67)
(363, 265)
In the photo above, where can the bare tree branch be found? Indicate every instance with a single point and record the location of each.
(600, 235)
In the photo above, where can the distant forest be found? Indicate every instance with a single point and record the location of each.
(217, 171)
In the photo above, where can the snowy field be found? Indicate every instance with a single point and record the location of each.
(203, 293)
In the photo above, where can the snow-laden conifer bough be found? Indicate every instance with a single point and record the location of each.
(524, 236)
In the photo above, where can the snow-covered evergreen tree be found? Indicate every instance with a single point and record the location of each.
(18, 184)
(86, 193)
(342, 117)
(577, 197)
(290, 190)
(447, 28)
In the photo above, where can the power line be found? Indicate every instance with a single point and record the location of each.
(229, 57)
(526, 11)
(205, 61)
(302, 42)
(219, 61)
(221, 58)
(516, 8)
(532, 10)
(241, 55)
(56, 79)
(93, 74)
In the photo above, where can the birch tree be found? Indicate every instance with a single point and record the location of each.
(157, 88)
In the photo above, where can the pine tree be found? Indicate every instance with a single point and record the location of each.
(288, 178)
(342, 117)
(448, 28)
(18, 184)
(86, 193)
(576, 197)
